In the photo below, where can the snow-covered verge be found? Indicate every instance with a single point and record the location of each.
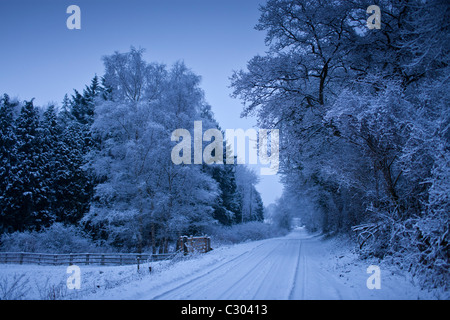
(337, 262)
(33, 282)
(343, 260)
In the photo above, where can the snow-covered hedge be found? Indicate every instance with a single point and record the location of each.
(55, 239)
(250, 231)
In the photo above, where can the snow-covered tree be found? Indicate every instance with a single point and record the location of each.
(252, 208)
(363, 117)
(28, 190)
(8, 161)
(144, 198)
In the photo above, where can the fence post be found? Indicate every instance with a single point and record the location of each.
(21, 258)
(87, 259)
(184, 244)
(103, 260)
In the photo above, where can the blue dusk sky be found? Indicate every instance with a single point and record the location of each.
(41, 58)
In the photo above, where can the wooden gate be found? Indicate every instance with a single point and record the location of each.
(194, 244)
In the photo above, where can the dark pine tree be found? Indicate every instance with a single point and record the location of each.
(83, 105)
(8, 160)
(227, 207)
(28, 197)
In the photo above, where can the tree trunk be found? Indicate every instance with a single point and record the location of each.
(153, 238)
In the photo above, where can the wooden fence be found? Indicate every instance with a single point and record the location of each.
(185, 244)
(104, 259)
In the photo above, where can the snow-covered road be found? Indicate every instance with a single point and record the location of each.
(298, 266)
(281, 268)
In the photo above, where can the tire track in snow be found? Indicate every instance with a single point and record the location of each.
(281, 268)
(311, 281)
(297, 270)
(247, 280)
(303, 257)
(199, 280)
(277, 285)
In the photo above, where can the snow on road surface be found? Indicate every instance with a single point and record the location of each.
(272, 270)
(298, 266)
(294, 267)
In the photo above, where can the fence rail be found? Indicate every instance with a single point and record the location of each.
(104, 259)
(185, 244)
